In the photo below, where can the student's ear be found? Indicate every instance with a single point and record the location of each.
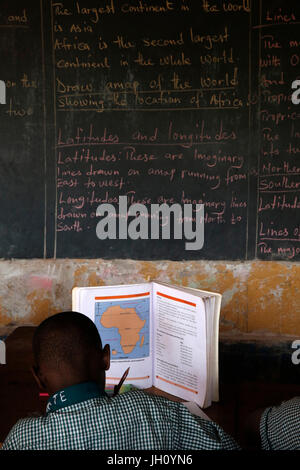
(106, 357)
(36, 374)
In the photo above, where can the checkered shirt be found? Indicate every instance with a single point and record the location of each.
(280, 426)
(134, 420)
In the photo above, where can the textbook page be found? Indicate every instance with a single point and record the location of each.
(123, 317)
(180, 362)
(209, 310)
(213, 316)
(214, 352)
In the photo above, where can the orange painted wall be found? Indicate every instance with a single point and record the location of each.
(259, 298)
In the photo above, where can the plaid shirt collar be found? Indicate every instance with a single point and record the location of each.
(74, 394)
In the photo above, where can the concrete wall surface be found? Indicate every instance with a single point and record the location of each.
(260, 299)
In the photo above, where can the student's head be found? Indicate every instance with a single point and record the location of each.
(67, 350)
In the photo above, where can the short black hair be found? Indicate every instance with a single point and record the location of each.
(66, 338)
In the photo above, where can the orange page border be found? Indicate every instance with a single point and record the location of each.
(122, 296)
(177, 385)
(128, 378)
(178, 300)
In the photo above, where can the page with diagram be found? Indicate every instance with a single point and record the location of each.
(123, 317)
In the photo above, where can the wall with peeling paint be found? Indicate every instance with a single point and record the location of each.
(259, 298)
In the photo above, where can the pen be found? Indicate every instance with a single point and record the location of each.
(117, 387)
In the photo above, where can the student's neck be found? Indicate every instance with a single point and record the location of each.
(58, 383)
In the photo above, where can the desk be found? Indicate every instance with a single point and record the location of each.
(19, 394)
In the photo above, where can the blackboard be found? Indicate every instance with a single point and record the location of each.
(176, 102)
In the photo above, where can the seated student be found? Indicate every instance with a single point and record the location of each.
(70, 365)
(276, 427)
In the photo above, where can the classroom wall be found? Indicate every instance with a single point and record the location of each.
(260, 299)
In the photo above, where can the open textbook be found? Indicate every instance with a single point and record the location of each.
(168, 335)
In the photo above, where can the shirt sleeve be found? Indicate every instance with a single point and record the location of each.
(279, 426)
(10, 442)
(196, 433)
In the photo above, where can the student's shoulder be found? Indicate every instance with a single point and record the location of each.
(28, 423)
(279, 426)
(287, 409)
(20, 431)
(141, 397)
(140, 401)
(137, 394)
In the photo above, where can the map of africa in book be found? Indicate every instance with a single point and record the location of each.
(167, 335)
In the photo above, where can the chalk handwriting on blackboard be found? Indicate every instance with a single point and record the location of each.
(200, 109)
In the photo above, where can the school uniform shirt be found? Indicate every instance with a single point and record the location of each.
(280, 426)
(83, 417)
